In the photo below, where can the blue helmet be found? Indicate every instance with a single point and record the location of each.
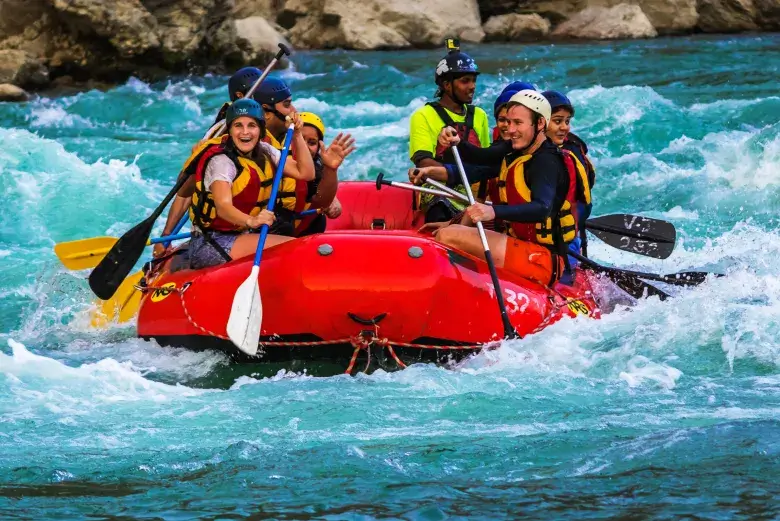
(242, 81)
(510, 90)
(558, 100)
(245, 107)
(517, 86)
(272, 91)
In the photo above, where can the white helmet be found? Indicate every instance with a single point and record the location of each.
(535, 102)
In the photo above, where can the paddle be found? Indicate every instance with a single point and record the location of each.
(219, 127)
(111, 271)
(509, 331)
(246, 313)
(445, 188)
(631, 282)
(632, 285)
(87, 253)
(123, 305)
(632, 233)
(642, 235)
(380, 180)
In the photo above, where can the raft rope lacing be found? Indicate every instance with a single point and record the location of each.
(363, 341)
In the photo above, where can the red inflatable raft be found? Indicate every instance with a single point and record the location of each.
(370, 292)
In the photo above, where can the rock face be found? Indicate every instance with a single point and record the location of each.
(768, 14)
(667, 16)
(249, 8)
(10, 92)
(92, 40)
(376, 24)
(126, 24)
(607, 23)
(726, 16)
(516, 27)
(256, 38)
(22, 68)
(671, 16)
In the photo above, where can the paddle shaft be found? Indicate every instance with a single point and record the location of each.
(274, 191)
(415, 188)
(509, 331)
(219, 127)
(283, 50)
(590, 224)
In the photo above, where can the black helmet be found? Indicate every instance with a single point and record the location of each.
(242, 81)
(455, 64)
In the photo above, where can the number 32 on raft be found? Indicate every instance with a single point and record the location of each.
(511, 297)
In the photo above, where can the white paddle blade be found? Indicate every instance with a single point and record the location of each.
(246, 315)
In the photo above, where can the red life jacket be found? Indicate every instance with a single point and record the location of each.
(511, 188)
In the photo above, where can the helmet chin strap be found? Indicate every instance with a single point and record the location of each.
(533, 140)
(454, 96)
(281, 117)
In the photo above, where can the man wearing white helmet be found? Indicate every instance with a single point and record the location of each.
(533, 196)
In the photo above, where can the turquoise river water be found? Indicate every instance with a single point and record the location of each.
(660, 410)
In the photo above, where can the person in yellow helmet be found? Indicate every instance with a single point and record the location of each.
(321, 192)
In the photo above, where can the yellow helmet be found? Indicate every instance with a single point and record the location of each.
(310, 118)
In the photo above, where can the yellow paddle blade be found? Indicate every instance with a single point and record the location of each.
(85, 253)
(122, 306)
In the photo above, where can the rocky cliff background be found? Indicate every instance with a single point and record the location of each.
(50, 43)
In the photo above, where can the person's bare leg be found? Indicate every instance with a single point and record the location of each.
(466, 238)
(247, 244)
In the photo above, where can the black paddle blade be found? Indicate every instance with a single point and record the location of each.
(635, 234)
(628, 281)
(635, 287)
(656, 250)
(115, 266)
(688, 278)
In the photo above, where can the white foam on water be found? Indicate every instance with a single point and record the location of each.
(53, 115)
(49, 185)
(43, 381)
(678, 212)
(360, 108)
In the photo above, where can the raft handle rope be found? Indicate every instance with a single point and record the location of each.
(362, 341)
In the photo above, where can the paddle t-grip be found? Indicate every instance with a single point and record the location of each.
(380, 180)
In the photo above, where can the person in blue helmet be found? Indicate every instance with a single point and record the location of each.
(238, 85)
(559, 132)
(456, 80)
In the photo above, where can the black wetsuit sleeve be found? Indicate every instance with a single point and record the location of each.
(543, 174)
(490, 156)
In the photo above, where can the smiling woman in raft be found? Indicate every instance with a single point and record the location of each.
(233, 179)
